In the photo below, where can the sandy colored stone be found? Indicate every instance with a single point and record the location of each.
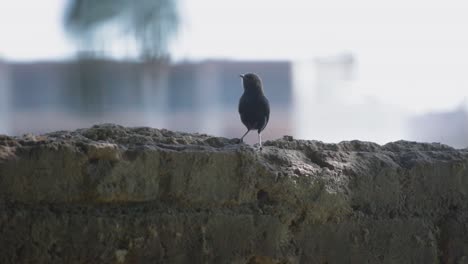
(111, 194)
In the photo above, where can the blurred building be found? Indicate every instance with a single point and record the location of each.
(449, 127)
(4, 98)
(334, 76)
(187, 96)
(329, 105)
(315, 99)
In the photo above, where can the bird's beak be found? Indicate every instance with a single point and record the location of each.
(242, 76)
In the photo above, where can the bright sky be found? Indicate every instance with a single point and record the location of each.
(412, 53)
(32, 30)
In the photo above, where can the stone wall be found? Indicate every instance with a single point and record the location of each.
(110, 194)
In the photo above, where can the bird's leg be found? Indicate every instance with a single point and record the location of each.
(260, 139)
(242, 138)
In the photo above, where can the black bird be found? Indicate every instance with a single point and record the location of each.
(254, 108)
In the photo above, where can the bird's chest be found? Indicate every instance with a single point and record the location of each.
(250, 109)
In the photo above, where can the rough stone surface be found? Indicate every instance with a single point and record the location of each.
(110, 194)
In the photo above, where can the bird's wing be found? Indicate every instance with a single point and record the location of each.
(243, 110)
(242, 102)
(266, 112)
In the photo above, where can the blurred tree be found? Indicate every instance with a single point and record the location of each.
(148, 23)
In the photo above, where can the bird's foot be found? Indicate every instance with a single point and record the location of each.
(258, 146)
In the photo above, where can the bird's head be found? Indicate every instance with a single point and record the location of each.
(252, 82)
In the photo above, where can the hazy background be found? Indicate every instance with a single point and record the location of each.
(333, 70)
